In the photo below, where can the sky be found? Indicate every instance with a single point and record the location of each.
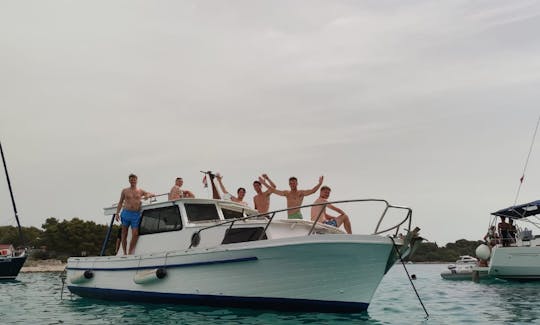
(427, 104)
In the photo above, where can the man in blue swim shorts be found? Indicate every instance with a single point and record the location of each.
(318, 212)
(130, 203)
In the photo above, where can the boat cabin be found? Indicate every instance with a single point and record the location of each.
(193, 222)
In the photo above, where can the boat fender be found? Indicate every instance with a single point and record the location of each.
(80, 277)
(150, 276)
(483, 252)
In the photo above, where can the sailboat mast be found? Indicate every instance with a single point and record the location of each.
(11, 194)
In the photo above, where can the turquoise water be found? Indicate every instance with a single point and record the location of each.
(35, 298)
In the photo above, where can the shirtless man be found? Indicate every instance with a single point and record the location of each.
(295, 197)
(177, 192)
(341, 219)
(262, 199)
(130, 203)
(241, 192)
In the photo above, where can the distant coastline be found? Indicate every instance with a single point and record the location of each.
(43, 266)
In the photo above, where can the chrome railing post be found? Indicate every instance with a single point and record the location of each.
(381, 218)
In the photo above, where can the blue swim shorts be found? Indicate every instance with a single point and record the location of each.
(331, 222)
(129, 217)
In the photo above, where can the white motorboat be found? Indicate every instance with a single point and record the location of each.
(216, 252)
(520, 260)
(464, 260)
(464, 269)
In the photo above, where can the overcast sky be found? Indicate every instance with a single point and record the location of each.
(428, 104)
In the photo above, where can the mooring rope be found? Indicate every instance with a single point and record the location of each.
(527, 161)
(409, 277)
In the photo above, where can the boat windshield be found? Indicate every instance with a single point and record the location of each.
(201, 212)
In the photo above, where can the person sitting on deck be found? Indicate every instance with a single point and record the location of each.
(177, 192)
(319, 212)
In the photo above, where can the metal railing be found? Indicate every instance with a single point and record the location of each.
(195, 239)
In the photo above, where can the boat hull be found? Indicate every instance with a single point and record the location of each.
(516, 263)
(11, 266)
(336, 273)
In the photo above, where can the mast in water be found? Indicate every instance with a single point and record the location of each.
(11, 194)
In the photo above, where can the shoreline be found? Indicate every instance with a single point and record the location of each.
(43, 266)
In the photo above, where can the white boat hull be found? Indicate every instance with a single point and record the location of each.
(332, 273)
(515, 263)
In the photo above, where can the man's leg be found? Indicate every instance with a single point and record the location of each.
(124, 238)
(134, 238)
(343, 219)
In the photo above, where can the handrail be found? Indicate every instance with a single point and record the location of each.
(376, 231)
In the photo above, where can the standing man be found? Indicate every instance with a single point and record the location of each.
(241, 192)
(262, 199)
(295, 197)
(341, 219)
(177, 192)
(130, 203)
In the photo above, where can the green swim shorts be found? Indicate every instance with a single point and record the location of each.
(296, 215)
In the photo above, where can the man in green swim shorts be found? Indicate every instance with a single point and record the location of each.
(295, 197)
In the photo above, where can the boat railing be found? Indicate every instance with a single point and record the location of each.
(195, 239)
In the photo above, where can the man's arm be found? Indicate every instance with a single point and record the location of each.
(119, 206)
(338, 210)
(147, 195)
(223, 189)
(265, 176)
(313, 190)
(272, 189)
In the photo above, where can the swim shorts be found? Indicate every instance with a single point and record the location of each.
(296, 215)
(129, 217)
(331, 222)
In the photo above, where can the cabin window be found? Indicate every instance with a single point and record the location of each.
(231, 214)
(201, 212)
(240, 235)
(160, 220)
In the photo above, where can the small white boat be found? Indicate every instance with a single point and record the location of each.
(464, 260)
(215, 252)
(464, 269)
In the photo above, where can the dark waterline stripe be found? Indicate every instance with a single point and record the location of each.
(236, 260)
(284, 304)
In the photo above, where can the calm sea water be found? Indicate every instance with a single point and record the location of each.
(35, 298)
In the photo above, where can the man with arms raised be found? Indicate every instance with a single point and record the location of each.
(262, 199)
(130, 203)
(341, 219)
(295, 197)
(177, 192)
(241, 192)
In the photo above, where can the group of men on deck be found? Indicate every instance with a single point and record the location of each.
(129, 206)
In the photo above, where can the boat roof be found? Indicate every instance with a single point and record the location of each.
(519, 211)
